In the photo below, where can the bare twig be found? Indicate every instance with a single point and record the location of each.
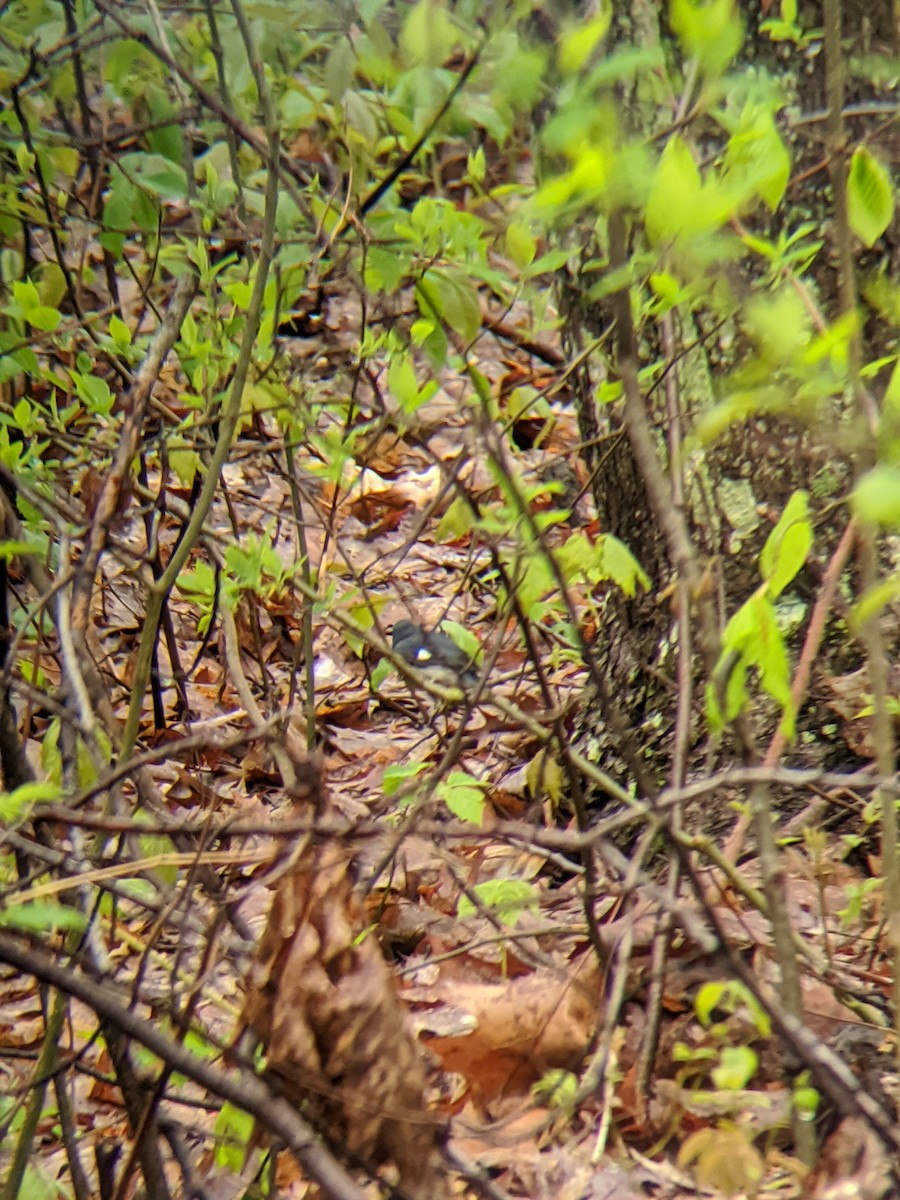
(241, 1087)
(127, 447)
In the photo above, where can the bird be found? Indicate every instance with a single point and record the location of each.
(434, 653)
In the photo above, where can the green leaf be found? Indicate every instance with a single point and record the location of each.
(119, 331)
(464, 638)
(184, 461)
(386, 270)
(876, 498)
(14, 549)
(16, 804)
(464, 796)
(752, 638)
(534, 580)
(95, 393)
(396, 774)
(200, 582)
(158, 175)
(756, 160)
(544, 777)
(369, 9)
(43, 318)
(340, 67)
(476, 165)
(707, 1000)
(520, 245)
(579, 43)
(382, 670)
(557, 1089)
(806, 1099)
(881, 594)
(403, 383)
(737, 1066)
(42, 917)
(456, 522)
(675, 194)
(166, 139)
(453, 296)
(27, 306)
(787, 545)
(232, 1132)
(25, 159)
(870, 196)
(620, 565)
(778, 323)
(769, 654)
(428, 35)
(508, 898)
(711, 30)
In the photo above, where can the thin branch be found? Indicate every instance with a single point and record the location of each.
(138, 401)
(240, 1087)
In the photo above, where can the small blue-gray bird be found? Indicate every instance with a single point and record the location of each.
(435, 653)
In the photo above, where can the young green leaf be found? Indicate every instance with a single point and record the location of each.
(737, 1066)
(17, 804)
(870, 196)
(464, 796)
(876, 498)
(712, 31)
(508, 898)
(42, 917)
(787, 545)
(396, 774)
(464, 638)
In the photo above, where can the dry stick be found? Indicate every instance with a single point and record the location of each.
(50, 590)
(227, 426)
(218, 54)
(306, 647)
(885, 757)
(91, 149)
(882, 726)
(246, 697)
(126, 449)
(397, 170)
(149, 1125)
(819, 961)
(611, 712)
(552, 839)
(44, 1068)
(687, 568)
(496, 454)
(70, 1135)
(538, 840)
(822, 607)
(15, 768)
(598, 1073)
(657, 982)
(242, 1087)
(412, 820)
(188, 116)
(78, 698)
(43, 191)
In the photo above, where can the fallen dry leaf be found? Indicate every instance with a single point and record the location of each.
(516, 1030)
(321, 999)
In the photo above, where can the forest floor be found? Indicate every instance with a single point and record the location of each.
(456, 830)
